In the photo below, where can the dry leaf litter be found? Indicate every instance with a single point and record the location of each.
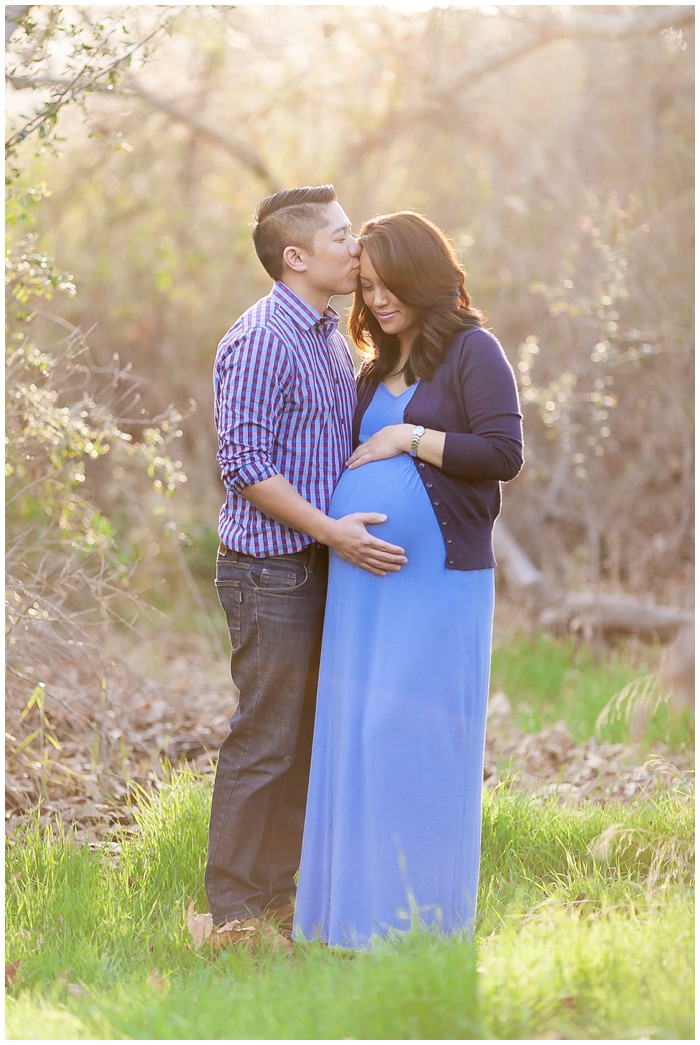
(89, 770)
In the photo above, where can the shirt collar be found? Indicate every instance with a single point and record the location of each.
(303, 314)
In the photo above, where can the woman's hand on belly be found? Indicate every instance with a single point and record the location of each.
(396, 439)
(387, 442)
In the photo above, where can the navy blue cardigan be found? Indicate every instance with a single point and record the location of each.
(472, 396)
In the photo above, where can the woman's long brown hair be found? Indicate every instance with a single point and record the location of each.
(416, 262)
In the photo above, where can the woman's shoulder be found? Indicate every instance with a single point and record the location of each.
(474, 339)
(473, 345)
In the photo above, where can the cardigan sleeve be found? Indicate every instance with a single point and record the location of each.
(493, 447)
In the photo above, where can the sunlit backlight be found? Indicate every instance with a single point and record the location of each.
(408, 6)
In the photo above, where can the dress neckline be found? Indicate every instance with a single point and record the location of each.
(393, 395)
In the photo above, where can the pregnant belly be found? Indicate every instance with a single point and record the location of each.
(394, 488)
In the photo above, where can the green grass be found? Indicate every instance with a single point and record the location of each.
(550, 680)
(584, 929)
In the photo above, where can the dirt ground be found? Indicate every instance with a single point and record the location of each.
(174, 703)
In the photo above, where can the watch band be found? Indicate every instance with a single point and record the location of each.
(418, 431)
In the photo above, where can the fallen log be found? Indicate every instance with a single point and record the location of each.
(590, 612)
(609, 613)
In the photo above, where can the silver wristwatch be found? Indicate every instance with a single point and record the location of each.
(418, 431)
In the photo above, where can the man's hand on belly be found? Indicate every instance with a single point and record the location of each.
(349, 537)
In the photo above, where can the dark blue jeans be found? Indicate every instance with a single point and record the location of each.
(274, 608)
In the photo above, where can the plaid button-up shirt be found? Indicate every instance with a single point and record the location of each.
(284, 397)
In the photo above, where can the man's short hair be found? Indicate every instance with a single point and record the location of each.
(289, 219)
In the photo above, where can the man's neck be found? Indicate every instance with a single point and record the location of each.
(318, 302)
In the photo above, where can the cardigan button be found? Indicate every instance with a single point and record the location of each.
(444, 522)
(436, 502)
(429, 485)
(449, 540)
(421, 464)
(451, 562)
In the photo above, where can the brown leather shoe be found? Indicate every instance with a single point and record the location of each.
(282, 918)
(253, 934)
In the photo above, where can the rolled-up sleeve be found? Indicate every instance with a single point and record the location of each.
(250, 376)
(493, 449)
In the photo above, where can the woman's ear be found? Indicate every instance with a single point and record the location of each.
(292, 257)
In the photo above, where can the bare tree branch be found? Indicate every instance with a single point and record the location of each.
(545, 30)
(539, 31)
(67, 90)
(612, 25)
(238, 148)
(243, 152)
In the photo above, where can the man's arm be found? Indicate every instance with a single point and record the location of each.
(249, 401)
(348, 536)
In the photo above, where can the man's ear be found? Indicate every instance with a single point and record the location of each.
(293, 259)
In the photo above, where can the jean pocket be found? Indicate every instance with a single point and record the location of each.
(281, 577)
(230, 597)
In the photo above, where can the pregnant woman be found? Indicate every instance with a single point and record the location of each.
(393, 819)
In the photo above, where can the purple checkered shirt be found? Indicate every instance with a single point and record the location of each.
(284, 397)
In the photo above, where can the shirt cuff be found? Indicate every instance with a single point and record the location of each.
(250, 474)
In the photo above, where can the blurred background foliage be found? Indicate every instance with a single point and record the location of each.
(554, 144)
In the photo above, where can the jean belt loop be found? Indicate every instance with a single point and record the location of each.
(312, 557)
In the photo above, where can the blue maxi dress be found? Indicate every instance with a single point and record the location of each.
(393, 820)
